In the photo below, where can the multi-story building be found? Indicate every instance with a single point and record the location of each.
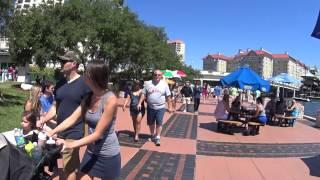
(258, 60)
(178, 47)
(235, 63)
(4, 44)
(284, 63)
(267, 64)
(216, 62)
(26, 4)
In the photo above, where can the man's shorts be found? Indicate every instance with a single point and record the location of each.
(155, 116)
(186, 100)
(71, 159)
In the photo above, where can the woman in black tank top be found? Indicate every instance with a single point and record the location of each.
(136, 114)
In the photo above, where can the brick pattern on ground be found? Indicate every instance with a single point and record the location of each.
(158, 165)
(181, 126)
(257, 150)
(126, 139)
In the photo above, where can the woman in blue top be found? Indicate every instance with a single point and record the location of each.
(260, 114)
(136, 114)
(102, 158)
(293, 109)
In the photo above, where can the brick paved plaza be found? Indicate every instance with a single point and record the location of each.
(191, 148)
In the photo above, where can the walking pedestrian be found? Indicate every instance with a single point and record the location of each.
(68, 97)
(102, 158)
(136, 115)
(156, 92)
(186, 93)
(196, 95)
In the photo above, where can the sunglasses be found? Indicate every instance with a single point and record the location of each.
(157, 74)
(64, 62)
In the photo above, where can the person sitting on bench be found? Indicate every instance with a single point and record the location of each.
(235, 108)
(259, 116)
(223, 108)
(293, 111)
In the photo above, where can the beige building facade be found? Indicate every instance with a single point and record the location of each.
(216, 62)
(265, 63)
(284, 63)
(179, 48)
(258, 60)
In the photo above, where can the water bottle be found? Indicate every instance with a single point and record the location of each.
(29, 148)
(20, 142)
(36, 153)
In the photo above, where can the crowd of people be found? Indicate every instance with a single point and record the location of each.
(257, 108)
(10, 73)
(80, 110)
(83, 111)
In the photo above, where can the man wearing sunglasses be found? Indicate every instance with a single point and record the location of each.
(156, 92)
(68, 97)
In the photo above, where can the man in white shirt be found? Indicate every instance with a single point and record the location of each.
(156, 92)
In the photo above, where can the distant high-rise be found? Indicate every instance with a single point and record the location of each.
(26, 4)
(178, 47)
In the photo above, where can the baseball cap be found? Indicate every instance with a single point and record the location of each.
(70, 56)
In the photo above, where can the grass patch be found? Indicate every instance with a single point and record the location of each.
(11, 106)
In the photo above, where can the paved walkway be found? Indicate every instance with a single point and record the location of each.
(191, 148)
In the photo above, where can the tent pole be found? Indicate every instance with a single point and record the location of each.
(278, 92)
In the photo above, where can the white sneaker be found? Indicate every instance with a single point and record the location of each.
(157, 141)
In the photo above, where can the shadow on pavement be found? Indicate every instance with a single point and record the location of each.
(212, 126)
(206, 114)
(131, 134)
(313, 165)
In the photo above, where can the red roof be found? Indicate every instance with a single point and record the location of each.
(280, 56)
(217, 56)
(175, 41)
(262, 52)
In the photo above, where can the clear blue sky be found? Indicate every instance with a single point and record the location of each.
(209, 26)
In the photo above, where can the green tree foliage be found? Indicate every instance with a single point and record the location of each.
(100, 29)
(6, 9)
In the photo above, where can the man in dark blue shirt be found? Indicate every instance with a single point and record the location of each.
(68, 98)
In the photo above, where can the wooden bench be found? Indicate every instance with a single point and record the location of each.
(255, 127)
(228, 126)
(286, 120)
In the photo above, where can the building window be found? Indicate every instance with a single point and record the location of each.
(26, 6)
(27, 1)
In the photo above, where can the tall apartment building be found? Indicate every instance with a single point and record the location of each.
(178, 47)
(26, 4)
(4, 44)
(267, 64)
(216, 62)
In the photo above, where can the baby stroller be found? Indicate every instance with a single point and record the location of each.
(17, 165)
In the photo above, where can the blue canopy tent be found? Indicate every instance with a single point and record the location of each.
(285, 79)
(245, 78)
(316, 31)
